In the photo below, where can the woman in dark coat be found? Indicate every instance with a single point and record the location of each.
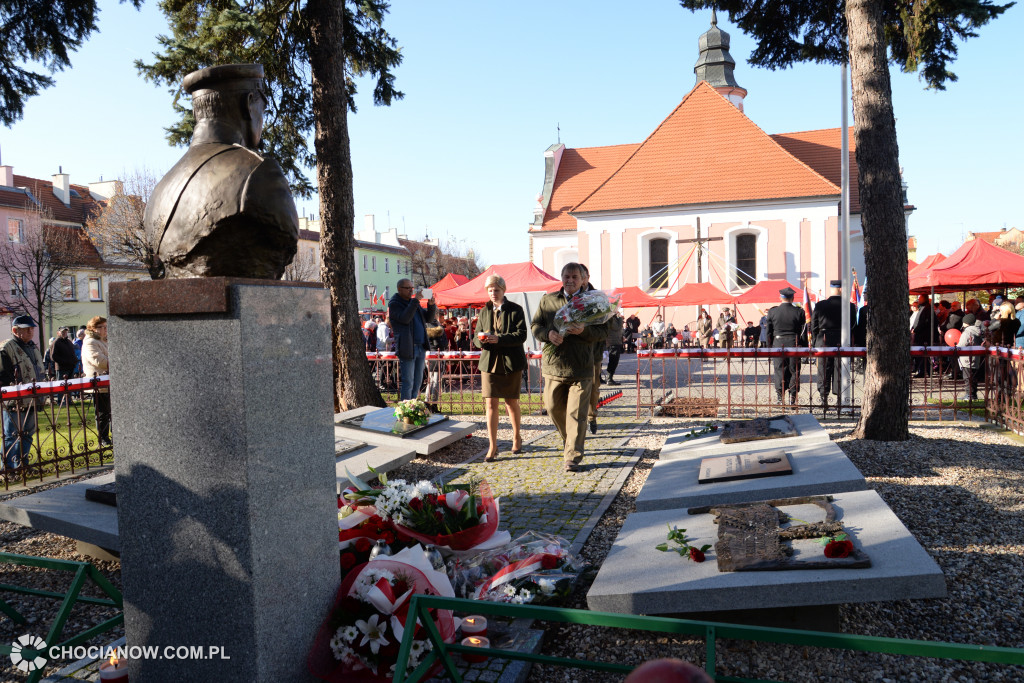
(501, 333)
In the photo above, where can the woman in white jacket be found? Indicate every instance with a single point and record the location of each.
(96, 362)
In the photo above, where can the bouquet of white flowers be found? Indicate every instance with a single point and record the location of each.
(587, 308)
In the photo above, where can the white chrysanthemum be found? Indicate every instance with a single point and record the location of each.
(349, 633)
(547, 586)
(424, 488)
(369, 576)
(338, 644)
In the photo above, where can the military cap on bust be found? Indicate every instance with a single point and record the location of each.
(787, 292)
(835, 283)
(225, 77)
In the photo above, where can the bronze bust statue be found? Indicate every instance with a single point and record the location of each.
(224, 210)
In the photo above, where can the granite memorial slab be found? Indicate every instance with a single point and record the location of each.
(758, 428)
(381, 459)
(774, 463)
(807, 428)
(343, 446)
(636, 578)
(383, 421)
(425, 441)
(65, 511)
(817, 468)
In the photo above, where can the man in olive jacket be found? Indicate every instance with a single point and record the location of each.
(567, 365)
(20, 363)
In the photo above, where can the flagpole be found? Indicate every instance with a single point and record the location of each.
(845, 394)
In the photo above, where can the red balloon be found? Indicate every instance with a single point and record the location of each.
(952, 337)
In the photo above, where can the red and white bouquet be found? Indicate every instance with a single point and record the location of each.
(587, 308)
(450, 517)
(360, 639)
(535, 568)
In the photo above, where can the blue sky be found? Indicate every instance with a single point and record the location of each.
(487, 83)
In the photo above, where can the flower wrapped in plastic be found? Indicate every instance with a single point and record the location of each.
(587, 308)
(450, 517)
(535, 568)
(358, 530)
(360, 638)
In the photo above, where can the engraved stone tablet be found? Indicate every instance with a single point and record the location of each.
(383, 420)
(104, 493)
(343, 446)
(745, 466)
(759, 428)
(751, 538)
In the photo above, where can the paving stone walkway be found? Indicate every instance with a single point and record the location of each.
(537, 494)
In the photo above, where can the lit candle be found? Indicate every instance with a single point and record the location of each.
(114, 671)
(474, 625)
(474, 641)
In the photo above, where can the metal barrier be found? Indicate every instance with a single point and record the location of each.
(710, 631)
(49, 428)
(452, 381)
(83, 571)
(736, 382)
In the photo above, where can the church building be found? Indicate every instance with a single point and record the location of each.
(708, 196)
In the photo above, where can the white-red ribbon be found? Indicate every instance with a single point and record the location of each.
(56, 387)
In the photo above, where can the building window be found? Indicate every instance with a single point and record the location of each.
(18, 285)
(746, 260)
(387, 265)
(67, 287)
(373, 262)
(366, 291)
(95, 289)
(365, 261)
(657, 254)
(387, 293)
(15, 230)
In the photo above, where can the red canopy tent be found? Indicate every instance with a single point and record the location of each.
(698, 294)
(927, 264)
(519, 277)
(449, 281)
(634, 297)
(975, 265)
(767, 291)
(911, 264)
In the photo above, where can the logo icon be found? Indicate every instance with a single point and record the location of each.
(28, 641)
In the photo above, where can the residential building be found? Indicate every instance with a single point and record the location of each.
(760, 206)
(1011, 239)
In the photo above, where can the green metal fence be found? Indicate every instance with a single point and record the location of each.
(83, 572)
(710, 631)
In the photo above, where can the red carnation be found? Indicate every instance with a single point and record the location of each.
(696, 555)
(839, 549)
(416, 504)
(348, 560)
(363, 544)
(548, 561)
(388, 536)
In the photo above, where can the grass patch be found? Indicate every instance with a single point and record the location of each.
(66, 435)
(975, 407)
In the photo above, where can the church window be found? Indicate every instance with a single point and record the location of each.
(658, 259)
(746, 260)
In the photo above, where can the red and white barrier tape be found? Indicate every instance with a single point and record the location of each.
(56, 387)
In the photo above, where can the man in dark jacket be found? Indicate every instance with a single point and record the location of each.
(785, 323)
(409, 326)
(567, 365)
(20, 363)
(827, 330)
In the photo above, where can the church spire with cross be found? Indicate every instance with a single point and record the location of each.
(715, 65)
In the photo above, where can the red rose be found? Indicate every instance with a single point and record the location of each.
(479, 510)
(839, 549)
(548, 561)
(363, 544)
(389, 537)
(696, 555)
(400, 587)
(348, 560)
(416, 504)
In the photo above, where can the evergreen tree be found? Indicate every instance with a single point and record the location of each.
(917, 36)
(38, 31)
(312, 53)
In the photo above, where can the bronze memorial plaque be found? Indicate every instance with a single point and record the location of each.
(744, 466)
(778, 427)
(751, 537)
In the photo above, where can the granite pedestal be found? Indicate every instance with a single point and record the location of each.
(817, 468)
(221, 392)
(424, 442)
(677, 446)
(636, 578)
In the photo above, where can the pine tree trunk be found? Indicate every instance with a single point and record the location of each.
(886, 405)
(353, 381)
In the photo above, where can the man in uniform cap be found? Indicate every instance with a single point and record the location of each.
(827, 331)
(20, 363)
(785, 322)
(224, 210)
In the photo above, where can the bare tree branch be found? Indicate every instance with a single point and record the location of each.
(118, 231)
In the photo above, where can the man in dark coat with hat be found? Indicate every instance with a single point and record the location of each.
(20, 363)
(827, 331)
(224, 210)
(785, 322)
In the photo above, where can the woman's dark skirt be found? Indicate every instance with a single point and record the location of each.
(502, 386)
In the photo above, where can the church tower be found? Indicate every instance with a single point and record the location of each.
(715, 65)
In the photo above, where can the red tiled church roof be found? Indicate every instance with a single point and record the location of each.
(705, 151)
(822, 150)
(579, 171)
